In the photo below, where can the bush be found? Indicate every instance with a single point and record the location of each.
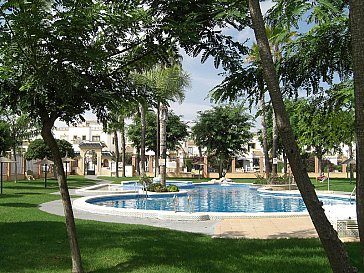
(261, 180)
(172, 188)
(158, 187)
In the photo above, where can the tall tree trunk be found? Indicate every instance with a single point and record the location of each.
(142, 140)
(117, 153)
(163, 142)
(48, 137)
(351, 171)
(264, 135)
(16, 164)
(123, 146)
(319, 163)
(334, 248)
(157, 154)
(285, 163)
(274, 143)
(357, 40)
(220, 167)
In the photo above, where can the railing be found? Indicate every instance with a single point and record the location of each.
(352, 193)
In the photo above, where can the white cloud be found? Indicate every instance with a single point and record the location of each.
(188, 110)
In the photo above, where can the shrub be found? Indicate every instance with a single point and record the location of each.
(261, 180)
(172, 188)
(158, 187)
(145, 180)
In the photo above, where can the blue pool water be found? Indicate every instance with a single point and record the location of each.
(215, 198)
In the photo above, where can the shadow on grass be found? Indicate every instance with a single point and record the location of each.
(108, 248)
(5, 195)
(18, 205)
(140, 249)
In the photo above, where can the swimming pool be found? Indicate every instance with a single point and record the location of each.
(229, 198)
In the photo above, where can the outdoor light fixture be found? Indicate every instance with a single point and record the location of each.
(45, 162)
(67, 159)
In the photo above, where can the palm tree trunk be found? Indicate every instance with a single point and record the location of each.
(63, 188)
(157, 154)
(142, 140)
(334, 248)
(357, 40)
(117, 153)
(16, 164)
(264, 135)
(163, 144)
(274, 143)
(123, 146)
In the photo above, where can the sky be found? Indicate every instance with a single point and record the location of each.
(204, 77)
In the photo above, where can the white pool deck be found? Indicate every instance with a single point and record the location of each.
(232, 225)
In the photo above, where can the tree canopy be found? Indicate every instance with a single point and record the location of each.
(38, 149)
(224, 131)
(6, 141)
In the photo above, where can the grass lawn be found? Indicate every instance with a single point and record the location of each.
(336, 184)
(34, 241)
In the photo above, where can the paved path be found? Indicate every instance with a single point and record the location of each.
(267, 228)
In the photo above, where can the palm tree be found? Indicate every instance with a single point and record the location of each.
(117, 115)
(168, 84)
(172, 84)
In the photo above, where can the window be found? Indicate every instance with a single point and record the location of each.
(83, 137)
(190, 150)
(95, 138)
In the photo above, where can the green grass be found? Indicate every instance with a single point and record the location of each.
(35, 241)
(336, 184)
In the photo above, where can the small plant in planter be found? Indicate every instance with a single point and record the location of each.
(145, 180)
(158, 187)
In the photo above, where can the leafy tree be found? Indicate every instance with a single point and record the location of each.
(22, 127)
(59, 59)
(38, 149)
(317, 127)
(223, 131)
(5, 137)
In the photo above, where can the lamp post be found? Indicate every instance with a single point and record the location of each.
(67, 160)
(3, 160)
(45, 162)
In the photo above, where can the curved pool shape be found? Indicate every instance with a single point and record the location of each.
(214, 198)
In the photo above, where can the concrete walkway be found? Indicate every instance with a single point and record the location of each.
(266, 228)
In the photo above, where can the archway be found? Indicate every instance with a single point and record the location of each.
(90, 162)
